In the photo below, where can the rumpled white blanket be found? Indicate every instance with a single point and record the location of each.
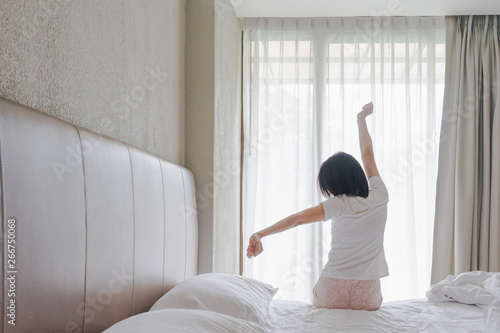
(478, 288)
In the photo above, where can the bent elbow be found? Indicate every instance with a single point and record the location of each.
(298, 219)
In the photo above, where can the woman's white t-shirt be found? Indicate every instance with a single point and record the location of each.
(358, 224)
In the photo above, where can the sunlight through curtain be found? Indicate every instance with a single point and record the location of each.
(304, 80)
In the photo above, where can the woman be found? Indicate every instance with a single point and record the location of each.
(358, 210)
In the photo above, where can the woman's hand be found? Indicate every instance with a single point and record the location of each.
(310, 215)
(366, 110)
(254, 246)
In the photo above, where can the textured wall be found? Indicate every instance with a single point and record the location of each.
(115, 66)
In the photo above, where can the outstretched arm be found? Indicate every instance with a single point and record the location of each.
(365, 142)
(310, 215)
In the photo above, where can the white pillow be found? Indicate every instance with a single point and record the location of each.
(233, 295)
(182, 321)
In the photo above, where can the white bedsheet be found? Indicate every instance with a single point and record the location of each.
(413, 316)
(479, 288)
(417, 315)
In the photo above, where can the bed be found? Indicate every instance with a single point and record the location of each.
(99, 236)
(297, 317)
(93, 230)
(213, 310)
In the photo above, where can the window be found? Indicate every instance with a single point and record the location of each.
(304, 82)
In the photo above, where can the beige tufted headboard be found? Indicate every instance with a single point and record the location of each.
(93, 230)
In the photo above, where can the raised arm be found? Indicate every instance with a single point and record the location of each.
(365, 142)
(310, 215)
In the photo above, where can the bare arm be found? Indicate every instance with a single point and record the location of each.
(365, 142)
(310, 215)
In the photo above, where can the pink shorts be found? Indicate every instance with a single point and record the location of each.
(347, 294)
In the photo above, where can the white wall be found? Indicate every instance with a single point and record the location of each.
(329, 8)
(115, 66)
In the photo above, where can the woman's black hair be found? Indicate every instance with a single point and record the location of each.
(342, 174)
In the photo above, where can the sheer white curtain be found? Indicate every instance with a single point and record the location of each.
(304, 80)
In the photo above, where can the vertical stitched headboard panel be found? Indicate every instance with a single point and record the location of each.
(93, 230)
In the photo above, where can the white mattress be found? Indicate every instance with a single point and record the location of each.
(413, 316)
(417, 315)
